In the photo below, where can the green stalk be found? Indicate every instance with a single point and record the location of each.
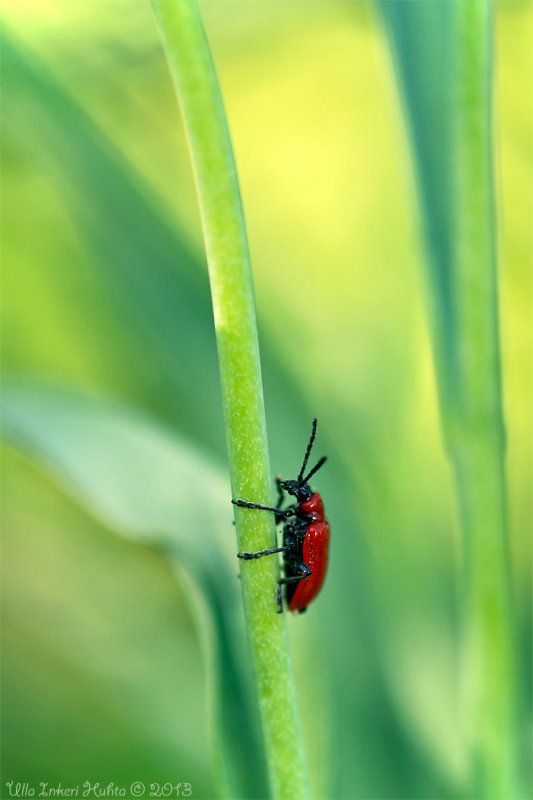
(196, 84)
(477, 435)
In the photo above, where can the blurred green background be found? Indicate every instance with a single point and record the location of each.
(105, 292)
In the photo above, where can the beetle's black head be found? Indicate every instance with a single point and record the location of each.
(302, 491)
(300, 488)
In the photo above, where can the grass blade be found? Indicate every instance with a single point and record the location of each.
(449, 111)
(197, 88)
(478, 446)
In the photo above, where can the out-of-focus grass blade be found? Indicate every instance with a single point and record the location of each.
(444, 55)
(145, 270)
(146, 483)
(421, 35)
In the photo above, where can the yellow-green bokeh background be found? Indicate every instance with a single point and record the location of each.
(103, 672)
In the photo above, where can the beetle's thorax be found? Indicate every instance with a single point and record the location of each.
(314, 508)
(302, 491)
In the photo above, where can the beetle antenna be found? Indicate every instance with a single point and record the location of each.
(316, 468)
(308, 451)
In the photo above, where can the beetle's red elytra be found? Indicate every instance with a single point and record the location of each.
(315, 552)
(305, 537)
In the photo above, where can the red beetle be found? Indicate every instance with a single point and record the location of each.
(305, 537)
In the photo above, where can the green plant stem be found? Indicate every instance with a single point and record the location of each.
(195, 80)
(476, 435)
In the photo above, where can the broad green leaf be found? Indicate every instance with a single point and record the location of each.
(149, 484)
(102, 675)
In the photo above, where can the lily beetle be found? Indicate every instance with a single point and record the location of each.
(305, 537)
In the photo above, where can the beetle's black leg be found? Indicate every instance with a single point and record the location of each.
(280, 513)
(246, 504)
(260, 553)
(279, 599)
(303, 573)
